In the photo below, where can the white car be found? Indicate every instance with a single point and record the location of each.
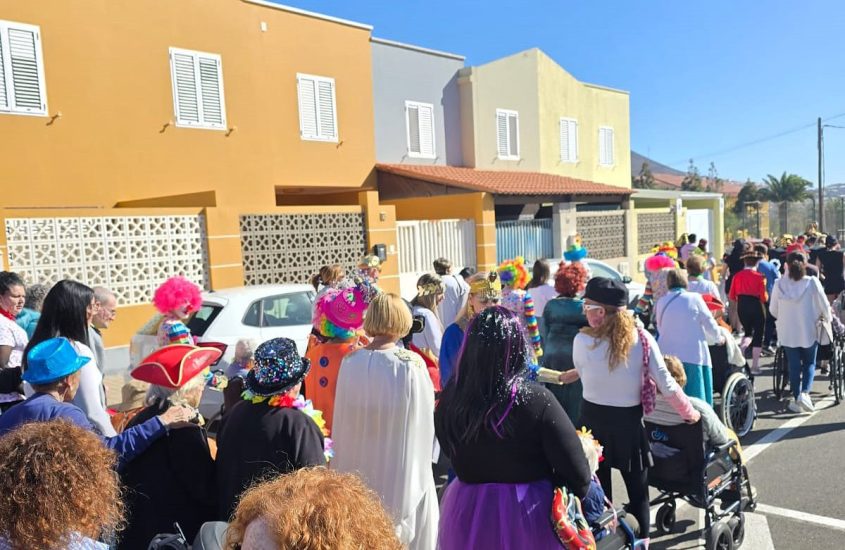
(259, 312)
(601, 269)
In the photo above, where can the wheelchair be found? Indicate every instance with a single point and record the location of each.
(684, 468)
(738, 407)
(833, 353)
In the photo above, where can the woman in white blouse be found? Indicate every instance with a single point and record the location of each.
(609, 359)
(685, 327)
(67, 313)
(430, 292)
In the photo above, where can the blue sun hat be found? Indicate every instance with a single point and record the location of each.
(277, 368)
(575, 251)
(52, 360)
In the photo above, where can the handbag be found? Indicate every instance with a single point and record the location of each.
(824, 332)
(569, 523)
(648, 392)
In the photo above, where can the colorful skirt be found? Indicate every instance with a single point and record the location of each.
(502, 516)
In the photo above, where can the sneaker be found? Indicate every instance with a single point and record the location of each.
(756, 371)
(767, 352)
(795, 407)
(806, 403)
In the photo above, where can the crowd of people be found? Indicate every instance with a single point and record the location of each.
(335, 446)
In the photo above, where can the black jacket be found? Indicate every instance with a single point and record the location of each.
(172, 481)
(257, 440)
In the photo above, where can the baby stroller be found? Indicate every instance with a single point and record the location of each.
(738, 407)
(685, 468)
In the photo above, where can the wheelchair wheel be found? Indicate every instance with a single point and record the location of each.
(719, 537)
(780, 373)
(738, 408)
(836, 374)
(665, 519)
(737, 527)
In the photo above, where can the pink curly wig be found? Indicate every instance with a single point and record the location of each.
(176, 293)
(659, 261)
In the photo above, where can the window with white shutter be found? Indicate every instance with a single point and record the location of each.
(419, 118)
(317, 107)
(568, 140)
(197, 89)
(507, 134)
(606, 152)
(22, 89)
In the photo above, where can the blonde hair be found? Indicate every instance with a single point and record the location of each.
(618, 328)
(314, 509)
(388, 315)
(676, 369)
(468, 312)
(176, 397)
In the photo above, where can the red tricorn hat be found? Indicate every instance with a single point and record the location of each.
(713, 303)
(175, 365)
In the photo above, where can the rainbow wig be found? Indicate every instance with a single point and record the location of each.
(177, 293)
(658, 262)
(321, 322)
(513, 273)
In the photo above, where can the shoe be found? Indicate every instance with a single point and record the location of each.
(756, 371)
(824, 367)
(767, 352)
(795, 407)
(806, 403)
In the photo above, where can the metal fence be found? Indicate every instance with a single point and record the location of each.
(531, 239)
(772, 219)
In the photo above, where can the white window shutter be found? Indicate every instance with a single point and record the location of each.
(573, 140)
(502, 134)
(186, 98)
(307, 107)
(602, 147)
(4, 98)
(513, 135)
(564, 141)
(609, 146)
(328, 125)
(426, 130)
(211, 88)
(413, 118)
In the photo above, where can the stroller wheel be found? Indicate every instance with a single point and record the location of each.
(719, 537)
(665, 520)
(737, 527)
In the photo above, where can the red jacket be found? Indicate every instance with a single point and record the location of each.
(749, 282)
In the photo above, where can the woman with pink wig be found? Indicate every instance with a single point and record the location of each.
(176, 299)
(657, 268)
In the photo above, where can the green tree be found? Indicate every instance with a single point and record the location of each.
(783, 190)
(750, 192)
(714, 182)
(692, 181)
(645, 179)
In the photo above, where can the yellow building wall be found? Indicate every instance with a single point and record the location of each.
(107, 72)
(509, 83)
(561, 95)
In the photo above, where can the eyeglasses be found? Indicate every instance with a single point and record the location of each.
(591, 307)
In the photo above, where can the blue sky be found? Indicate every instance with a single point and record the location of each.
(704, 77)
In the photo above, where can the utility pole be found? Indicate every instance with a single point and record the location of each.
(821, 183)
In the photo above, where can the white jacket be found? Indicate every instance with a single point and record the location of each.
(686, 326)
(797, 307)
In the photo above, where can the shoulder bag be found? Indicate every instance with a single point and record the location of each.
(648, 393)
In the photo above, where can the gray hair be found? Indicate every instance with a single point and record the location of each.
(102, 294)
(177, 397)
(35, 295)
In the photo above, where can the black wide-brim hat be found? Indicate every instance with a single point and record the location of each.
(277, 368)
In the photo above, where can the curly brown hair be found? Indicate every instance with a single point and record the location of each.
(570, 279)
(57, 480)
(618, 330)
(315, 509)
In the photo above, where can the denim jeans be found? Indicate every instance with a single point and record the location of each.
(802, 368)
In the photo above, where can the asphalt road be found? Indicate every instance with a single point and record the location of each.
(796, 465)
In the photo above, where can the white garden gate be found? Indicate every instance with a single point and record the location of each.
(423, 241)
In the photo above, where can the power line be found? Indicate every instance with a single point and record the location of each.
(733, 148)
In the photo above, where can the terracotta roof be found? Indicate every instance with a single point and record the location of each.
(673, 182)
(502, 182)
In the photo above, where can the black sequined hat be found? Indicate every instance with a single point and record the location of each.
(277, 368)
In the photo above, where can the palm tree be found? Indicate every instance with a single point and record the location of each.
(788, 188)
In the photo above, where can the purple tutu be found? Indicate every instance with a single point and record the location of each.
(497, 516)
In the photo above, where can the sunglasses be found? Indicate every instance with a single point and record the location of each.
(591, 307)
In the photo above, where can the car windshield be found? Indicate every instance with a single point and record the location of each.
(203, 318)
(601, 270)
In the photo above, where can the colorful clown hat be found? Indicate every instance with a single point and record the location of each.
(575, 251)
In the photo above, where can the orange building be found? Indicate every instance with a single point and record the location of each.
(230, 141)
